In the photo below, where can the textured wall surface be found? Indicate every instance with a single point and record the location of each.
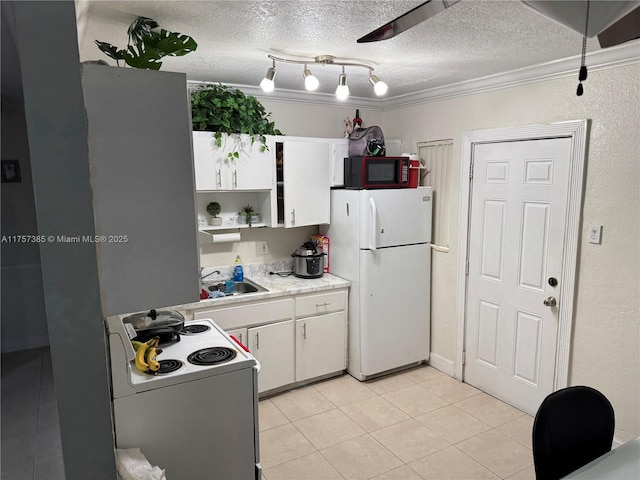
(326, 121)
(606, 330)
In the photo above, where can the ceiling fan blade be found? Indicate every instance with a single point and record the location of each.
(625, 29)
(408, 20)
(572, 14)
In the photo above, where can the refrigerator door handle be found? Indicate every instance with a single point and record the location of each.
(374, 223)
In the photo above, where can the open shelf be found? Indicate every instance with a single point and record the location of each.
(211, 228)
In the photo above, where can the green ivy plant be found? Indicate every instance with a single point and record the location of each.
(147, 47)
(222, 109)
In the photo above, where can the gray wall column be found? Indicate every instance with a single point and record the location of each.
(57, 131)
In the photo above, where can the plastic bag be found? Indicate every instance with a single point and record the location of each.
(133, 465)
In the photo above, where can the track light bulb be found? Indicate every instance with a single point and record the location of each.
(267, 84)
(378, 86)
(342, 92)
(310, 82)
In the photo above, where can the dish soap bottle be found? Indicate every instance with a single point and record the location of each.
(238, 274)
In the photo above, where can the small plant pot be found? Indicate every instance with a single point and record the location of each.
(215, 221)
(242, 219)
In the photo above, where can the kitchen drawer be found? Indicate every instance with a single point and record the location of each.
(248, 314)
(315, 304)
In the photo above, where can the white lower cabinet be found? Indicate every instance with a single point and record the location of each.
(240, 334)
(320, 345)
(273, 345)
(295, 338)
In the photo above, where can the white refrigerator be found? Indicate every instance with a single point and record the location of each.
(380, 242)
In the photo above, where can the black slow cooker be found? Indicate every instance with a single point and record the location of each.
(307, 261)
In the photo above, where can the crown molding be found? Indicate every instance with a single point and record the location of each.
(625, 54)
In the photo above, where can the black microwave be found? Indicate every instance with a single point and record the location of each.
(376, 172)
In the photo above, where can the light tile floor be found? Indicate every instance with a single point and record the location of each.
(31, 448)
(416, 424)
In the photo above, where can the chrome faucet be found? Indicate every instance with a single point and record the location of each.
(202, 277)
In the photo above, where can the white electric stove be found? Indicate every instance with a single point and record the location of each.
(198, 417)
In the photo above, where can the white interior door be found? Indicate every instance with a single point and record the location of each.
(518, 217)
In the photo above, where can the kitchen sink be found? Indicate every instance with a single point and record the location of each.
(244, 287)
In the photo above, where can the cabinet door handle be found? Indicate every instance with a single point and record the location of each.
(257, 340)
(293, 216)
(219, 178)
(240, 335)
(304, 331)
(235, 179)
(325, 304)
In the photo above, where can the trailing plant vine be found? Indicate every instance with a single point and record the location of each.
(146, 47)
(222, 109)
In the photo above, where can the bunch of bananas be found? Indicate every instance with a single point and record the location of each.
(146, 355)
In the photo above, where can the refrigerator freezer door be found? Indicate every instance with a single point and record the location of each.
(394, 307)
(395, 217)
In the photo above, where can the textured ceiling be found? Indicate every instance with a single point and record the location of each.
(473, 39)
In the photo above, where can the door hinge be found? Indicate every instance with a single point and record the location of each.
(464, 357)
(466, 268)
(471, 169)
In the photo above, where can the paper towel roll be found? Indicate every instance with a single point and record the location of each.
(225, 237)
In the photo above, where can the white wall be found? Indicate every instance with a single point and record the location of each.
(280, 242)
(605, 345)
(308, 120)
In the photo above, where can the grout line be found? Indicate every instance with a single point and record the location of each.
(454, 445)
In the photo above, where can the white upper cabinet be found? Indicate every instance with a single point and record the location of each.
(303, 174)
(214, 170)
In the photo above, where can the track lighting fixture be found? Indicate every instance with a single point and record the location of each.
(342, 91)
(267, 84)
(311, 83)
(378, 86)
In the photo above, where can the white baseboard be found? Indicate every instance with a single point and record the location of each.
(440, 363)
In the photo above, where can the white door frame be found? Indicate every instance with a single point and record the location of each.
(577, 131)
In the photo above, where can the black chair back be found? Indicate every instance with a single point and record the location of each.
(573, 426)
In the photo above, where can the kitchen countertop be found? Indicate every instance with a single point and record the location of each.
(277, 286)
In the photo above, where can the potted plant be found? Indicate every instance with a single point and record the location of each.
(146, 47)
(228, 112)
(213, 209)
(249, 215)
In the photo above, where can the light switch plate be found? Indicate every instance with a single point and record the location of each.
(595, 234)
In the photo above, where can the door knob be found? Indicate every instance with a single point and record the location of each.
(550, 302)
